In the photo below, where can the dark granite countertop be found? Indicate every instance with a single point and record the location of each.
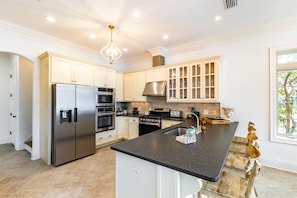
(204, 158)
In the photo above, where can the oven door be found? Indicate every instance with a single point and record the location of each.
(105, 121)
(146, 127)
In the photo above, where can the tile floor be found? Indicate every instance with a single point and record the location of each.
(94, 176)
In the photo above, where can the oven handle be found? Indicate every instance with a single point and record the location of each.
(148, 123)
(103, 114)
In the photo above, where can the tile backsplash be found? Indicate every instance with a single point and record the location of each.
(205, 109)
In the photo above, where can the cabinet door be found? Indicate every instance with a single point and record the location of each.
(104, 77)
(196, 81)
(129, 87)
(156, 75)
(119, 87)
(110, 78)
(82, 74)
(123, 127)
(133, 86)
(210, 80)
(133, 128)
(99, 76)
(204, 84)
(178, 85)
(61, 70)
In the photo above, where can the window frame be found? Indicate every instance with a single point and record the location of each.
(274, 136)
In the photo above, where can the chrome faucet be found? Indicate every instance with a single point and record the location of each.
(198, 128)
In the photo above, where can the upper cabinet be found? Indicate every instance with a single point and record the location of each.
(104, 77)
(178, 83)
(119, 87)
(70, 72)
(134, 85)
(193, 82)
(156, 74)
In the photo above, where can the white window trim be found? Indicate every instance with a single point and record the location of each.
(274, 137)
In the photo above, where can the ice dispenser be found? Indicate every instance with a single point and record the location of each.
(65, 116)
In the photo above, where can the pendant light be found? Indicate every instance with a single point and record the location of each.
(110, 51)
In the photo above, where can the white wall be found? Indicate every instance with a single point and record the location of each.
(4, 98)
(25, 99)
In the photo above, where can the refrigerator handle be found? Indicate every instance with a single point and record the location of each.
(75, 114)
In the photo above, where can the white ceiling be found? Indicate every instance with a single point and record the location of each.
(184, 21)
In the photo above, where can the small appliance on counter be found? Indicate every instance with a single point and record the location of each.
(175, 114)
(119, 112)
(135, 111)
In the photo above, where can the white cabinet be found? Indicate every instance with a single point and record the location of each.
(105, 137)
(71, 72)
(133, 86)
(133, 127)
(204, 81)
(169, 123)
(104, 77)
(122, 125)
(177, 83)
(193, 82)
(119, 87)
(156, 75)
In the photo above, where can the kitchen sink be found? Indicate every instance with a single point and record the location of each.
(176, 131)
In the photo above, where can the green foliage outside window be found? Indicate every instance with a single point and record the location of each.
(287, 101)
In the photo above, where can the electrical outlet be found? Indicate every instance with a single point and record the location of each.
(135, 172)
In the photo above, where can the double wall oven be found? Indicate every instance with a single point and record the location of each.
(105, 109)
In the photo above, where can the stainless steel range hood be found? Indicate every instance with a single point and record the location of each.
(157, 88)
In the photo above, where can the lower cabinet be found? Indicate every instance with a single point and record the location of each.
(133, 127)
(122, 126)
(106, 137)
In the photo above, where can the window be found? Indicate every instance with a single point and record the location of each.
(283, 98)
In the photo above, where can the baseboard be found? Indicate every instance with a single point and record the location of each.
(4, 141)
(279, 165)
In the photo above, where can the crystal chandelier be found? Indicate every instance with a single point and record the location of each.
(110, 51)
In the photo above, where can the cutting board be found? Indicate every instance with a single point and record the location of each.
(217, 121)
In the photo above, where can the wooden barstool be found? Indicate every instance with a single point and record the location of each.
(232, 186)
(244, 140)
(239, 164)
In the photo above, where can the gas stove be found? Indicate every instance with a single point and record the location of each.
(150, 119)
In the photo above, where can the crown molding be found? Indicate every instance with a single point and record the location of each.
(45, 39)
(277, 27)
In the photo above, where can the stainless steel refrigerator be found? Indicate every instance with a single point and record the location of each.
(73, 122)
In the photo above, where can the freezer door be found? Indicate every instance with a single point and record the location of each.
(85, 123)
(63, 127)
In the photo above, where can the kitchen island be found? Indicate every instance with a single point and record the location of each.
(142, 161)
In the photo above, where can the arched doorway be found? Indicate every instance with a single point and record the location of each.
(16, 85)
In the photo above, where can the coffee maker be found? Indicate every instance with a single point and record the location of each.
(135, 111)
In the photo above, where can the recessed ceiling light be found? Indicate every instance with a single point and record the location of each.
(136, 14)
(125, 50)
(217, 18)
(50, 19)
(165, 37)
(92, 36)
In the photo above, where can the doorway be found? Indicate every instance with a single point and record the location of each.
(16, 86)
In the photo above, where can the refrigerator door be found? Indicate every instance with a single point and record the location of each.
(85, 123)
(63, 129)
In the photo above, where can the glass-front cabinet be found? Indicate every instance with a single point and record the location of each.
(194, 82)
(204, 83)
(178, 86)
